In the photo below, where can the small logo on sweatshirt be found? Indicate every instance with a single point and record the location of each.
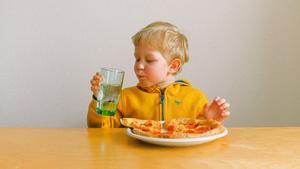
(177, 101)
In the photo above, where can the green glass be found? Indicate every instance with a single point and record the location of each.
(110, 89)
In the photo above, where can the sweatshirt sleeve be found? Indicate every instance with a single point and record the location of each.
(95, 120)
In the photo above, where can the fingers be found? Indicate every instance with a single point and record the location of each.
(96, 79)
(225, 106)
(95, 83)
(225, 114)
(95, 90)
(219, 101)
(216, 99)
(98, 76)
(222, 103)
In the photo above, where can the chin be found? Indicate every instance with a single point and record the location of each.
(145, 84)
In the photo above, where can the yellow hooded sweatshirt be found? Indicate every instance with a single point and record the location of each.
(179, 100)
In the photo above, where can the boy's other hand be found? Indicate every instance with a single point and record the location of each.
(217, 110)
(95, 83)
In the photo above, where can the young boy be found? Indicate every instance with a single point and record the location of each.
(160, 52)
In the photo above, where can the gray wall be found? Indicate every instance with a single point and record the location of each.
(245, 51)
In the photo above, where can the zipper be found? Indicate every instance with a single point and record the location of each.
(162, 98)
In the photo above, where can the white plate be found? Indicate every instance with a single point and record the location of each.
(177, 141)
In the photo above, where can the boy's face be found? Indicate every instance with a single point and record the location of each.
(150, 67)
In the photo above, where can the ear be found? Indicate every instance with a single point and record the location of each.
(174, 66)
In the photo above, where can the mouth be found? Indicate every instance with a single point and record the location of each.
(141, 77)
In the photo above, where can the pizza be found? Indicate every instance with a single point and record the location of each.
(174, 128)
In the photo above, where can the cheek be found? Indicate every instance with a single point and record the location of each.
(158, 72)
(134, 67)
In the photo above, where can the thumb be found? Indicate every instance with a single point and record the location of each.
(206, 107)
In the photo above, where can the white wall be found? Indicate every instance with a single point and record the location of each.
(246, 51)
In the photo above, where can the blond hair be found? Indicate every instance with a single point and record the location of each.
(164, 37)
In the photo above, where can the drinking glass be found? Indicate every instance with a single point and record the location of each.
(110, 89)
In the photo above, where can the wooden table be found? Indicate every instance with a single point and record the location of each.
(112, 148)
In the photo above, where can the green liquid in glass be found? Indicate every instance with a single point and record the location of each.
(108, 99)
(106, 112)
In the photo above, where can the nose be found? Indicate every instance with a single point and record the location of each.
(139, 65)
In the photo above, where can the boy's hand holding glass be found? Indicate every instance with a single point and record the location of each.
(218, 109)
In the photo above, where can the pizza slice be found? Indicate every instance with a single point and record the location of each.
(150, 128)
(188, 128)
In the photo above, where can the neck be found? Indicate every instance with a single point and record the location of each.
(167, 82)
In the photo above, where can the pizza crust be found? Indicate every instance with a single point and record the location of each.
(146, 133)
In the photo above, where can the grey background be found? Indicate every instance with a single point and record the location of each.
(245, 51)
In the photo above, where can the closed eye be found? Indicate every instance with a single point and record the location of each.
(150, 61)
